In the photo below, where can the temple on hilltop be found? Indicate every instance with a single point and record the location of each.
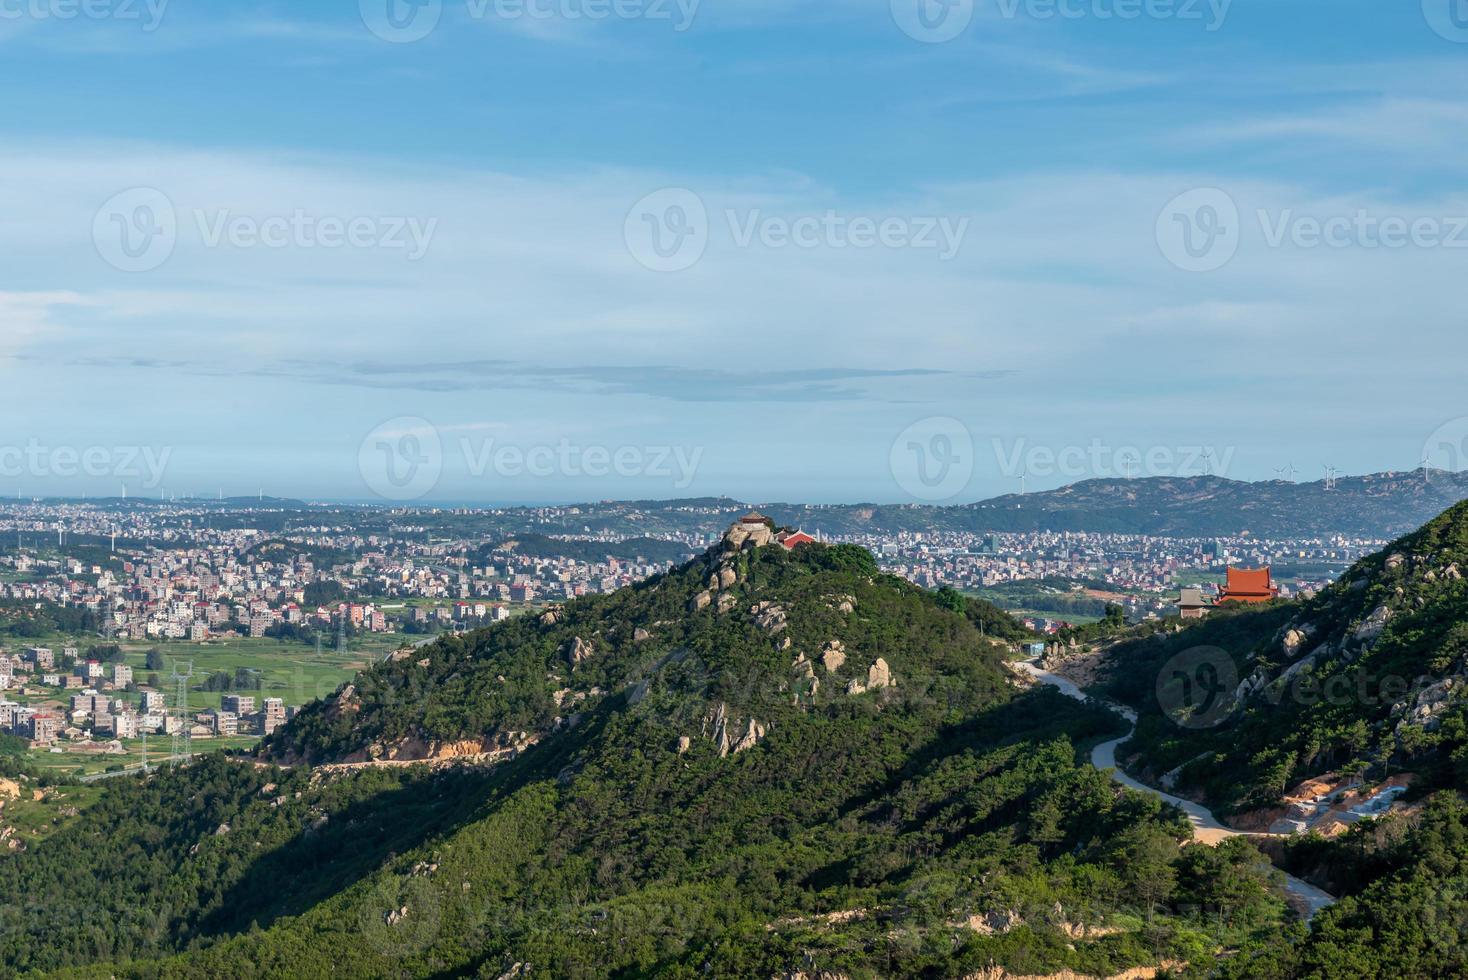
(1191, 603)
(1248, 585)
(758, 528)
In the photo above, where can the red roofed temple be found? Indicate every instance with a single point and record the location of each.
(1248, 585)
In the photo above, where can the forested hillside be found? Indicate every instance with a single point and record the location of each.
(759, 764)
(1325, 711)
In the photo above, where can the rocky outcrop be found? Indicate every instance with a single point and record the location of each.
(700, 601)
(879, 676)
(769, 616)
(723, 578)
(578, 651)
(413, 749)
(834, 656)
(743, 535)
(1295, 638)
(344, 702)
(1426, 709)
(1372, 626)
(727, 735)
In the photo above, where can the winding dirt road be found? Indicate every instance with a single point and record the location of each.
(1207, 828)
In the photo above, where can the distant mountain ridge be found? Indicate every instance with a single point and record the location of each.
(1381, 505)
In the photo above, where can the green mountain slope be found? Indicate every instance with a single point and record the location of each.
(759, 764)
(1367, 675)
(1357, 690)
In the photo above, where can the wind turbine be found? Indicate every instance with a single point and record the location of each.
(1425, 477)
(1290, 472)
(1330, 472)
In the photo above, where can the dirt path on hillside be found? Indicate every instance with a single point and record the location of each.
(1207, 828)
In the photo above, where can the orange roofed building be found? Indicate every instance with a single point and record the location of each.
(1248, 585)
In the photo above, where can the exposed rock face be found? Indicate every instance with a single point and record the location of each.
(1371, 627)
(684, 744)
(992, 923)
(1294, 639)
(550, 618)
(727, 602)
(1430, 704)
(834, 656)
(742, 536)
(578, 650)
(880, 675)
(719, 726)
(768, 616)
(727, 578)
(344, 702)
(490, 749)
(700, 601)
(640, 635)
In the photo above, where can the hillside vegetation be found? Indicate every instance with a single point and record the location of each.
(760, 764)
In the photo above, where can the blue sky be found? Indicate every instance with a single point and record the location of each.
(774, 249)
